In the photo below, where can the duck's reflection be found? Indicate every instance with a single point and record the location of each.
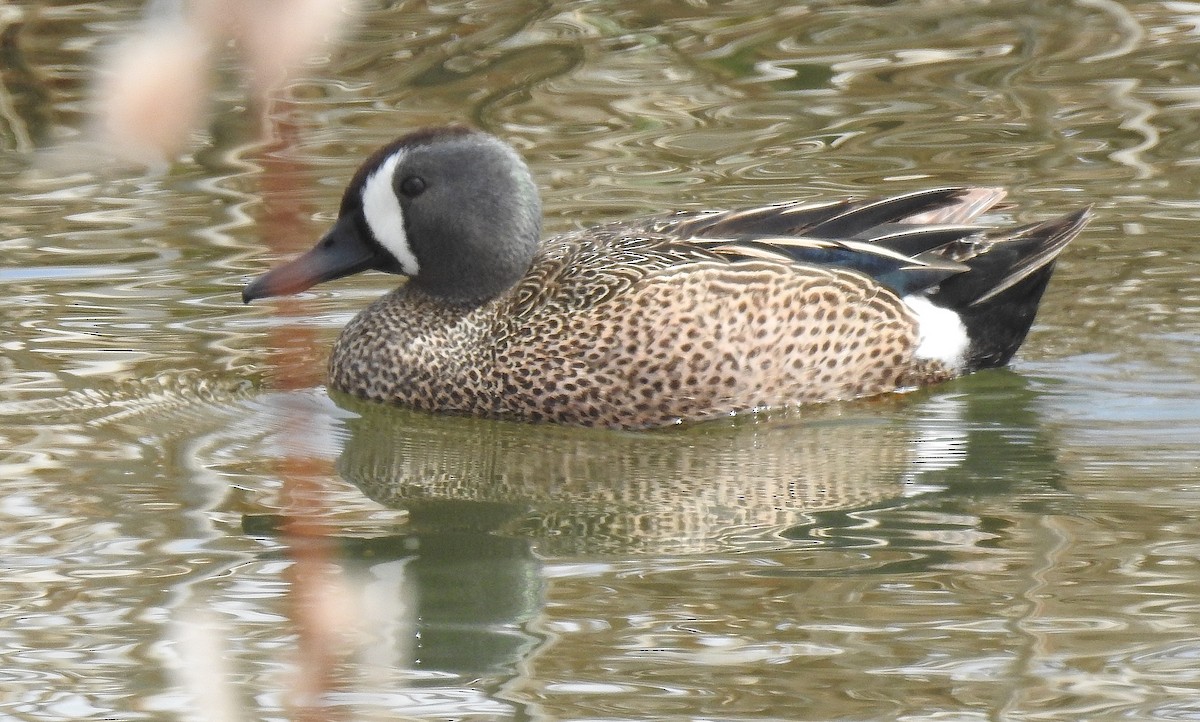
(679, 491)
(489, 503)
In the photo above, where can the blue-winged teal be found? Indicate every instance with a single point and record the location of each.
(673, 317)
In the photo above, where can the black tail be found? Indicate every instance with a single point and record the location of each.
(998, 297)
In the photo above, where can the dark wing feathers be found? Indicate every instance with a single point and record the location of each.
(914, 240)
(778, 220)
(909, 243)
(902, 273)
(864, 217)
(845, 218)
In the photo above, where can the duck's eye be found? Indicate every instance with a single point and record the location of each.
(412, 186)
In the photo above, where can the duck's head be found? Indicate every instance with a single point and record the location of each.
(453, 208)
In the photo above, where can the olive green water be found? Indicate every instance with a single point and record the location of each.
(1021, 544)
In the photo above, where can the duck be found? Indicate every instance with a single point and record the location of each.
(664, 319)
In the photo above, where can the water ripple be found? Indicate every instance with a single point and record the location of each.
(1014, 544)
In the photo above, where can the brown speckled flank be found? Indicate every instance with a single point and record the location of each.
(673, 318)
(622, 328)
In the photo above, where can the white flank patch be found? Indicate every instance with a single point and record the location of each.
(943, 337)
(381, 208)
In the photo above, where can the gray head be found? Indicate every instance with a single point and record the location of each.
(453, 208)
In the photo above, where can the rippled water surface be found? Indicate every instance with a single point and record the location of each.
(1020, 544)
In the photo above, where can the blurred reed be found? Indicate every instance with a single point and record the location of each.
(152, 92)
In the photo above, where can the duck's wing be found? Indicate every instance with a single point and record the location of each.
(900, 241)
(908, 244)
(911, 243)
(902, 273)
(845, 218)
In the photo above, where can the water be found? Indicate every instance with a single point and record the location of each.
(1019, 544)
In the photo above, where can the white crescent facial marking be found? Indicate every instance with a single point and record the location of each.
(384, 217)
(943, 337)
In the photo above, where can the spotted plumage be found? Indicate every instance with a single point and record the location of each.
(675, 317)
